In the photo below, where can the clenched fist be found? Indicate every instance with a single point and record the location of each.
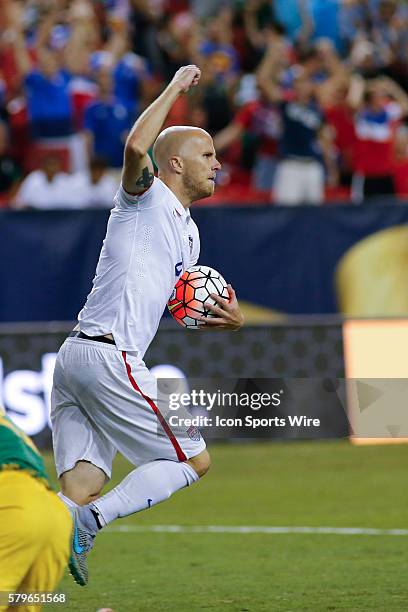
(186, 77)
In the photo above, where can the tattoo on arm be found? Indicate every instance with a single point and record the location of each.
(146, 179)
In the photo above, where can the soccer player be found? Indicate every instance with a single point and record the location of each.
(35, 527)
(104, 397)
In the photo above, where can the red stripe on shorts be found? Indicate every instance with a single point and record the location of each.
(180, 455)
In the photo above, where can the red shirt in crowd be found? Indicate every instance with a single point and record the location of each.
(83, 91)
(263, 120)
(340, 117)
(375, 134)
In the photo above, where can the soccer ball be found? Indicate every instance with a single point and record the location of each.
(192, 293)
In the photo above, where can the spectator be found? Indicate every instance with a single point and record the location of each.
(55, 58)
(218, 56)
(95, 188)
(258, 18)
(300, 173)
(309, 62)
(83, 39)
(354, 20)
(219, 63)
(59, 51)
(390, 36)
(306, 141)
(363, 58)
(378, 105)
(330, 69)
(176, 37)
(83, 91)
(294, 17)
(376, 33)
(130, 73)
(10, 171)
(45, 188)
(48, 98)
(325, 21)
(332, 94)
(209, 8)
(130, 77)
(107, 123)
(259, 119)
(340, 118)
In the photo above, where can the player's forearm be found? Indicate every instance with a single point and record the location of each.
(148, 125)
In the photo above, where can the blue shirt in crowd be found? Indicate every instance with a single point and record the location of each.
(108, 121)
(288, 15)
(325, 17)
(127, 76)
(49, 104)
(223, 59)
(301, 125)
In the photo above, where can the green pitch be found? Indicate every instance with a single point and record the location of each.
(313, 484)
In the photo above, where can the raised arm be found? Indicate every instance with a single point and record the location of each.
(15, 36)
(231, 133)
(21, 55)
(356, 91)
(390, 87)
(307, 28)
(268, 70)
(252, 30)
(137, 173)
(83, 36)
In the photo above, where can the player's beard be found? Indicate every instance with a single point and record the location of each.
(196, 191)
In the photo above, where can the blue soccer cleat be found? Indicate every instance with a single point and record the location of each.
(81, 543)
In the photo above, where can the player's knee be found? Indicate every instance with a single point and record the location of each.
(201, 463)
(83, 484)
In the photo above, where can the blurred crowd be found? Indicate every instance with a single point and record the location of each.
(301, 96)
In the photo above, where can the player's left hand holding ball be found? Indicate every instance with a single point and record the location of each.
(226, 315)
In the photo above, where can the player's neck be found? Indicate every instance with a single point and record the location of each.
(177, 189)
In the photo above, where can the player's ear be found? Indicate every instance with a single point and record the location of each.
(176, 164)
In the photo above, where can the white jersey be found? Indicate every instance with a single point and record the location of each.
(150, 240)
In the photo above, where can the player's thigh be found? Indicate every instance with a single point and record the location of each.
(76, 437)
(118, 396)
(135, 419)
(52, 558)
(288, 183)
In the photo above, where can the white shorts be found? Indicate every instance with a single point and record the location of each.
(103, 401)
(299, 182)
